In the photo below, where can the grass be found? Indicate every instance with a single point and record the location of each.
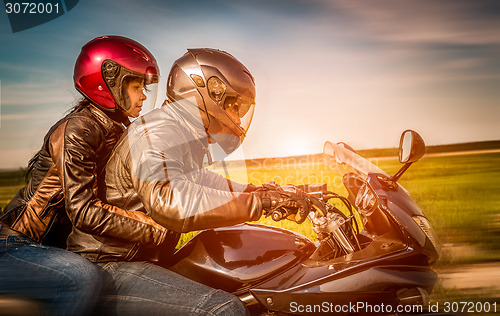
(459, 194)
(7, 193)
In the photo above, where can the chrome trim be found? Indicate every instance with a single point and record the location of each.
(248, 299)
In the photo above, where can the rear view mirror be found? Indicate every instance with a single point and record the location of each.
(411, 147)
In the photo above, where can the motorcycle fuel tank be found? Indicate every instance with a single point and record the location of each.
(232, 258)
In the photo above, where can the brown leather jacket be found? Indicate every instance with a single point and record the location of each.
(67, 179)
(157, 168)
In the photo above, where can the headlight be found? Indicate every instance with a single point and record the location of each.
(423, 223)
(366, 200)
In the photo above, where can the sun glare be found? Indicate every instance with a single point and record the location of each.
(299, 145)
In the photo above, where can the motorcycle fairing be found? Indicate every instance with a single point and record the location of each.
(401, 208)
(375, 285)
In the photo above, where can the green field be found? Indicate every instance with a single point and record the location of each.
(460, 194)
(7, 193)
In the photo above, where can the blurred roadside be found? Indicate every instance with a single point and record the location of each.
(459, 191)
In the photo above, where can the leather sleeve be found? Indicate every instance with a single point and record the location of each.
(217, 181)
(182, 199)
(73, 147)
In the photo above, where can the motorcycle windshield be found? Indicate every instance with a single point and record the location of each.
(343, 161)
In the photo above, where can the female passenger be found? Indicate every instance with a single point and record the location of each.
(65, 182)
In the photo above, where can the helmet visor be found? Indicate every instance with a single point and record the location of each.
(151, 93)
(240, 109)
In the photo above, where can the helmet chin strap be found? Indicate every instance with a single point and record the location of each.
(127, 113)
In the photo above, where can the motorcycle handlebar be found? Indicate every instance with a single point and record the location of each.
(289, 207)
(316, 194)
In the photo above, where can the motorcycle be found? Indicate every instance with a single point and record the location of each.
(373, 258)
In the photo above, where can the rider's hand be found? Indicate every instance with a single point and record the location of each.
(302, 205)
(296, 203)
(269, 198)
(250, 188)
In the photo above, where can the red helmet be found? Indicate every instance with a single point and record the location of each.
(104, 62)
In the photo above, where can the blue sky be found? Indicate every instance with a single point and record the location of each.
(354, 71)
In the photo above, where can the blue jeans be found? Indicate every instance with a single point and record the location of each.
(65, 283)
(142, 288)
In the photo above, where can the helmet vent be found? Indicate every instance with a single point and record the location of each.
(138, 51)
(198, 80)
(110, 70)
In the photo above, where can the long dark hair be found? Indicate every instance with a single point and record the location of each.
(81, 104)
(115, 114)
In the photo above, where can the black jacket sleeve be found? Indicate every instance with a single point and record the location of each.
(74, 148)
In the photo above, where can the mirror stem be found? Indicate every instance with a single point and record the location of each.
(400, 172)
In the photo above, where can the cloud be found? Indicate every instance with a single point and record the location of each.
(452, 22)
(26, 116)
(321, 66)
(35, 94)
(12, 69)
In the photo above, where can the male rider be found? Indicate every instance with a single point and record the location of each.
(157, 169)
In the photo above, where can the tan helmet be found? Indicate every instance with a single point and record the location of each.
(223, 88)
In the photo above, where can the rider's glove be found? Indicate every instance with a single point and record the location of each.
(250, 188)
(296, 203)
(269, 198)
(300, 201)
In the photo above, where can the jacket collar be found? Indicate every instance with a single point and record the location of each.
(105, 120)
(187, 111)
